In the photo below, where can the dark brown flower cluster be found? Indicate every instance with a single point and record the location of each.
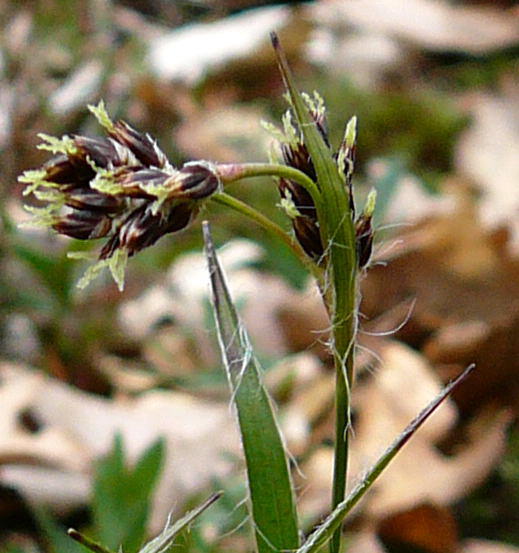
(120, 187)
(298, 202)
(304, 223)
(295, 154)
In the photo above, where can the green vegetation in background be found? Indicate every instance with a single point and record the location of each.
(121, 503)
(492, 511)
(420, 126)
(122, 496)
(461, 72)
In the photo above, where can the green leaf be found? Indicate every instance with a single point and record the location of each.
(122, 496)
(271, 492)
(335, 197)
(325, 531)
(163, 541)
(54, 271)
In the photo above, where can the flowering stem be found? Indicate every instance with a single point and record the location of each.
(337, 230)
(233, 171)
(245, 209)
(340, 465)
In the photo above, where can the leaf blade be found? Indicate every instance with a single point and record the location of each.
(325, 531)
(162, 542)
(270, 486)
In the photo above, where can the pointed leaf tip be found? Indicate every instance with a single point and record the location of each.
(87, 542)
(163, 541)
(272, 501)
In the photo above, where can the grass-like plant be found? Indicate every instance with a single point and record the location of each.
(123, 188)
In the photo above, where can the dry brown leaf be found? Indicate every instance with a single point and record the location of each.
(127, 376)
(486, 546)
(466, 289)
(61, 489)
(365, 541)
(435, 25)
(371, 39)
(49, 447)
(7, 101)
(197, 433)
(228, 134)
(170, 352)
(411, 203)
(428, 527)
(305, 322)
(187, 54)
(488, 153)
(81, 87)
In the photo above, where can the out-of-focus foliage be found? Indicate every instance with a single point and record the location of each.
(122, 496)
(120, 505)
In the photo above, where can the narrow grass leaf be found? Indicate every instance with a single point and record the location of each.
(87, 542)
(331, 185)
(332, 523)
(270, 486)
(163, 541)
(335, 217)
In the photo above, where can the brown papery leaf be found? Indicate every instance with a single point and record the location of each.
(78, 428)
(488, 153)
(466, 288)
(429, 527)
(486, 546)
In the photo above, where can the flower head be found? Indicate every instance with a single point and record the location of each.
(120, 187)
(297, 201)
(364, 231)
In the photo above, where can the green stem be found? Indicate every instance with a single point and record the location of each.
(245, 209)
(338, 234)
(233, 171)
(342, 420)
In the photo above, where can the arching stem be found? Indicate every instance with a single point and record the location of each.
(244, 209)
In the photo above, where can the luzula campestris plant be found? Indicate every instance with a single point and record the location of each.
(122, 188)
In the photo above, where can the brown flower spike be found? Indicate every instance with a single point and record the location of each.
(120, 187)
(297, 201)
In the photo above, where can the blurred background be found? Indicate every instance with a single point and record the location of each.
(114, 408)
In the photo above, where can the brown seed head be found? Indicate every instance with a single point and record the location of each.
(120, 187)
